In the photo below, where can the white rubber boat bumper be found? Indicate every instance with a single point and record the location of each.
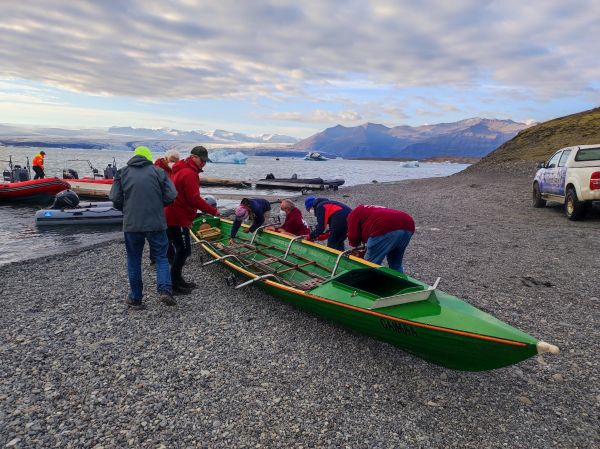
(543, 348)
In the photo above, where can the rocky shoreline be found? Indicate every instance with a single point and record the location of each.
(238, 368)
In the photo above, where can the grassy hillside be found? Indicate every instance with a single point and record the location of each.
(539, 142)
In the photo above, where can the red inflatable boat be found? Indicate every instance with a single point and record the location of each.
(90, 180)
(33, 189)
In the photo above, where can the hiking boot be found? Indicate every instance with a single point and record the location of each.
(179, 289)
(167, 299)
(135, 305)
(189, 285)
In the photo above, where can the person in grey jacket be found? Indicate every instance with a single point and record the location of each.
(141, 191)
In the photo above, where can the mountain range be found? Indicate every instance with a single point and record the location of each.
(216, 136)
(470, 138)
(474, 137)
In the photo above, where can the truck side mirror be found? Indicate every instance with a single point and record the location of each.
(541, 164)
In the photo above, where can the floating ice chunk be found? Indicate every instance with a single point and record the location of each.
(411, 164)
(228, 157)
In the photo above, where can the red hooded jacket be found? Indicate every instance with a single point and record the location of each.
(183, 211)
(372, 221)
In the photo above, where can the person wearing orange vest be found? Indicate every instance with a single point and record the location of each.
(38, 165)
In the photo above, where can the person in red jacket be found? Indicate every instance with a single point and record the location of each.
(167, 162)
(386, 232)
(182, 212)
(294, 224)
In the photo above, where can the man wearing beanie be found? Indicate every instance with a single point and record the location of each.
(142, 191)
(182, 212)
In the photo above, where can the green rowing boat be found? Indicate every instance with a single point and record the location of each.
(369, 298)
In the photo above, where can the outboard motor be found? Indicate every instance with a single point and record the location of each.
(69, 173)
(110, 172)
(20, 174)
(7, 175)
(67, 199)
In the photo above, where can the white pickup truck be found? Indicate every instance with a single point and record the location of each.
(571, 177)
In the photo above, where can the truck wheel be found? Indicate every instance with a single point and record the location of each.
(574, 209)
(538, 201)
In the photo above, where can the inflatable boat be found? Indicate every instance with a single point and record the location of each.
(34, 189)
(86, 213)
(295, 183)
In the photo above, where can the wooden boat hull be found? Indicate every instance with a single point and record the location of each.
(441, 329)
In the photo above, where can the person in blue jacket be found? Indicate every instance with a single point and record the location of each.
(332, 213)
(257, 209)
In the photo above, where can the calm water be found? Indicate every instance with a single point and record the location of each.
(20, 239)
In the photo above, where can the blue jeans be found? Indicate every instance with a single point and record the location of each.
(134, 245)
(393, 244)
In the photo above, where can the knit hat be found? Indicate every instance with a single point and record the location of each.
(308, 202)
(143, 151)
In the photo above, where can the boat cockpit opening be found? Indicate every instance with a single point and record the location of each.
(377, 282)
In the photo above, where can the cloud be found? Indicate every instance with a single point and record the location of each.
(317, 116)
(185, 49)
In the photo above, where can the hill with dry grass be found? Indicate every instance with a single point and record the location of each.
(540, 141)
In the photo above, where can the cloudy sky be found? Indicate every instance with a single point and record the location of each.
(294, 67)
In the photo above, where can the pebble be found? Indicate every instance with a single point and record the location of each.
(525, 400)
(13, 442)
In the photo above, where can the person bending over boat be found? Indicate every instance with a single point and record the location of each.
(167, 162)
(332, 213)
(294, 224)
(182, 212)
(142, 191)
(38, 165)
(256, 209)
(386, 233)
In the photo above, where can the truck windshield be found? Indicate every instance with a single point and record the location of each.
(588, 154)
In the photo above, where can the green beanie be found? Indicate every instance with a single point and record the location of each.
(143, 151)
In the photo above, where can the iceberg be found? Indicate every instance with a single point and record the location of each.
(227, 157)
(411, 164)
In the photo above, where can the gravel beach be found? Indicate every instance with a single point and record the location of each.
(238, 368)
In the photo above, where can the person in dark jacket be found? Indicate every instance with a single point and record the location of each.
(386, 232)
(332, 213)
(256, 209)
(182, 212)
(142, 191)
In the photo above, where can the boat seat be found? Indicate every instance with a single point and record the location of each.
(309, 284)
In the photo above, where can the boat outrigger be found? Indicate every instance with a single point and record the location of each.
(369, 298)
